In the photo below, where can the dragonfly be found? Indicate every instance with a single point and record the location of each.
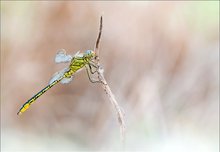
(77, 63)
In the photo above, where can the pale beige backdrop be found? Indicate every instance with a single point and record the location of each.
(161, 60)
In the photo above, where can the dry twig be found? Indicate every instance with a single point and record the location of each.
(106, 87)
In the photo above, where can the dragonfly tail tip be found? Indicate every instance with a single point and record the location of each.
(19, 113)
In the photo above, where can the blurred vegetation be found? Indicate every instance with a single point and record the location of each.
(161, 60)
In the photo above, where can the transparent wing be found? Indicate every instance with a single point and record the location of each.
(78, 54)
(67, 80)
(58, 75)
(62, 57)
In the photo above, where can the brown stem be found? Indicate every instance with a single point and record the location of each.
(106, 87)
(98, 41)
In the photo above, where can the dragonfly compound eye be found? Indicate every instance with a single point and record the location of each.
(90, 53)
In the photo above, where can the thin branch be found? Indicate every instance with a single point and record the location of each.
(98, 41)
(106, 87)
(113, 101)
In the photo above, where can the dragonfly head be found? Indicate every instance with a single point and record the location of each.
(89, 54)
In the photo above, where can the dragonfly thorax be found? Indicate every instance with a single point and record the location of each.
(79, 61)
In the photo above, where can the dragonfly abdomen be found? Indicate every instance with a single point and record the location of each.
(34, 98)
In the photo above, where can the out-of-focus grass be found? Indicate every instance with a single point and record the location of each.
(161, 60)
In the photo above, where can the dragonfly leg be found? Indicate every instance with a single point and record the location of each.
(90, 79)
(94, 81)
(90, 68)
(93, 64)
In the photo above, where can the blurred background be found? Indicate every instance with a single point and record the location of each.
(161, 61)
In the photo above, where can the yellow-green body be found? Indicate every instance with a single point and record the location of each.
(75, 64)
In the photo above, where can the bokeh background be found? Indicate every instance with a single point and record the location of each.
(161, 61)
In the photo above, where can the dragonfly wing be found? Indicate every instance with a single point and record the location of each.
(58, 75)
(66, 80)
(78, 54)
(62, 57)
